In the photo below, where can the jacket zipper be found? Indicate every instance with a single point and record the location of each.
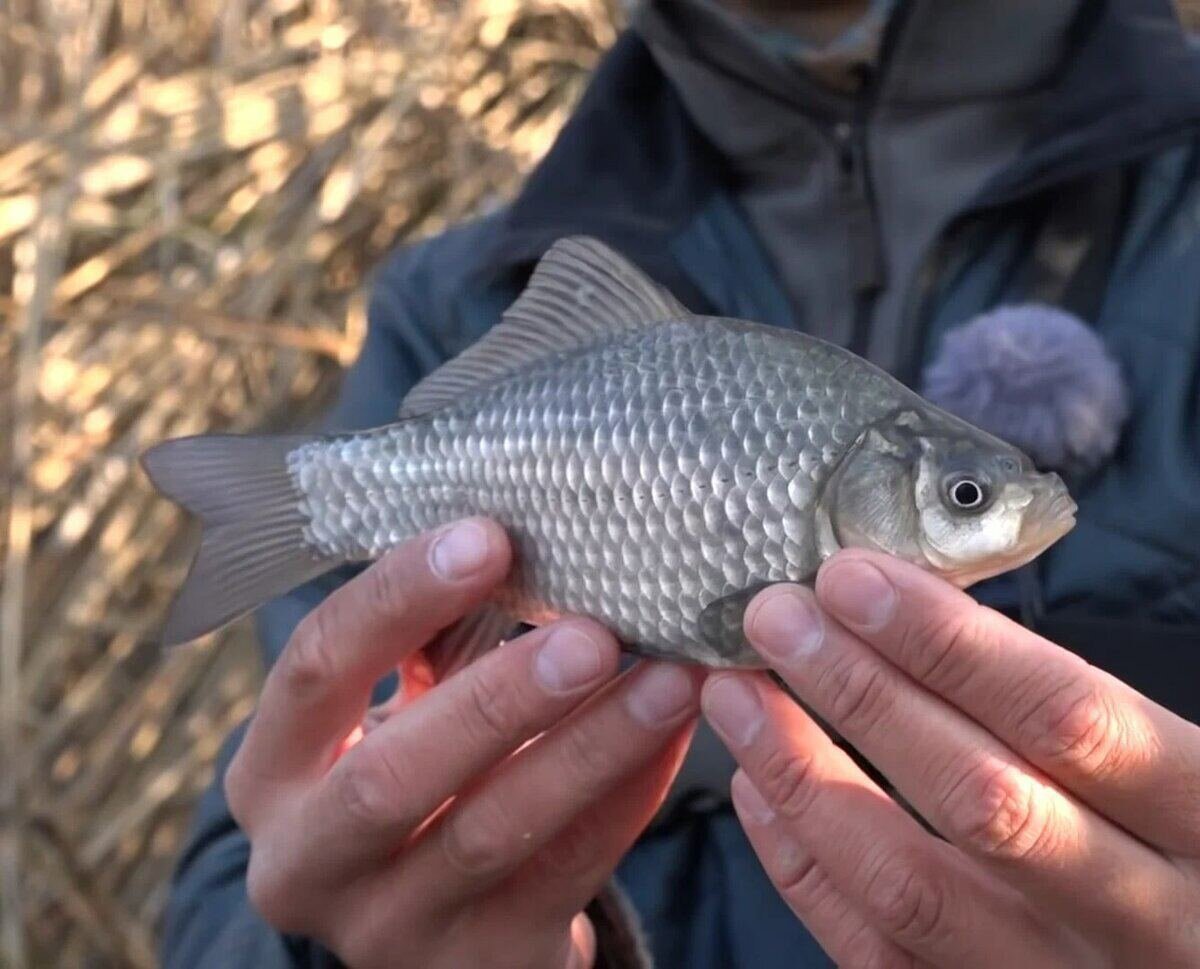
(864, 250)
(868, 272)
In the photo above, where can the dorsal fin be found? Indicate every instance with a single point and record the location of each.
(580, 291)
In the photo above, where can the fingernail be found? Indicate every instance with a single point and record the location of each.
(568, 660)
(748, 801)
(660, 694)
(459, 551)
(786, 625)
(734, 709)
(859, 594)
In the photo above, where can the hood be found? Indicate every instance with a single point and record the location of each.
(1105, 82)
(1102, 70)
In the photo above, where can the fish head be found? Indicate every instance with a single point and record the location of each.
(944, 495)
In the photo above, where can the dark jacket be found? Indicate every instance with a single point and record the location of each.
(1109, 154)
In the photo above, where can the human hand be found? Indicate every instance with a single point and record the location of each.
(1070, 803)
(475, 823)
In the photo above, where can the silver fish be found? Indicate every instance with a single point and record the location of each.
(653, 468)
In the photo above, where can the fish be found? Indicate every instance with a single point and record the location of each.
(654, 470)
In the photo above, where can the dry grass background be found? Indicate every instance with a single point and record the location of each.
(191, 196)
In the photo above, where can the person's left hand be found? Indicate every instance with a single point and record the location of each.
(1070, 803)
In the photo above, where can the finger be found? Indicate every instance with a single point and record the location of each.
(583, 943)
(490, 832)
(1129, 758)
(430, 749)
(574, 866)
(972, 788)
(916, 891)
(836, 922)
(319, 688)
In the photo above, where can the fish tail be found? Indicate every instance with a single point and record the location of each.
(253, 545)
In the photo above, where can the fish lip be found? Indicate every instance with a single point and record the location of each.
(1064, 510)
(1063, 506)
(1058, 519)
(1051, 516)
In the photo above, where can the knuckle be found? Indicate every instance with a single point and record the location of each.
(800, 878)
(1077, 727)
(861, 694)
(786, 780)
(813, 895)
(993, 810)
(903, 897)
(937, 649)
(307, 665)
(588, 757)
(267, 891)
(384, 589)
(490, 712)
(480, 838)
(368, 790)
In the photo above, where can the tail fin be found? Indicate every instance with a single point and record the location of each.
(252, 546)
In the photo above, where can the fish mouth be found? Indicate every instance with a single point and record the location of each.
(1050, 515)
(1063, 510)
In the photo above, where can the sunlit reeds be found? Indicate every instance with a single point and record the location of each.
(192, 194)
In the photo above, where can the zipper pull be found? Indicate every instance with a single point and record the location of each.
(866, 261)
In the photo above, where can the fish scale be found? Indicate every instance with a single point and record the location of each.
(653, 469)
(639, 480)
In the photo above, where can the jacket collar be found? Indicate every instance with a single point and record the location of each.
(630, 166)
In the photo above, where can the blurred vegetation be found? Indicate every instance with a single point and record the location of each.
(192, 194)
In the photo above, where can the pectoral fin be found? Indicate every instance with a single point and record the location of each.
(721, 628)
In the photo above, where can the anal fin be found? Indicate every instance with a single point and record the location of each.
(721, 627)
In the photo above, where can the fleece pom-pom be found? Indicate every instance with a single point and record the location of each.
(1037, 377)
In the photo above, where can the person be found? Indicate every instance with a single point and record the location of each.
(877, 174)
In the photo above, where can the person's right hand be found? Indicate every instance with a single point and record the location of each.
(445, 838)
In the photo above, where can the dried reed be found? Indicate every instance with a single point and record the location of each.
(191, 196)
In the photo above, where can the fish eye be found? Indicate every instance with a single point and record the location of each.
(966, 494)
